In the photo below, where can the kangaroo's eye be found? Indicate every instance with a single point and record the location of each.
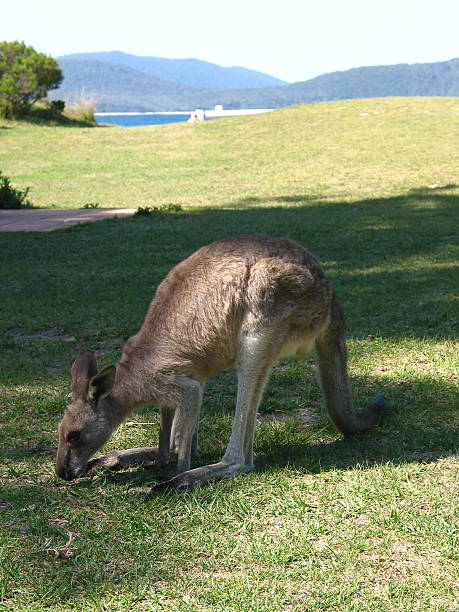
(73, 436)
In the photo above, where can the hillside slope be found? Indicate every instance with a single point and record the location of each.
(435, 79)
(332, 151)
(118, 87)
(192, 72)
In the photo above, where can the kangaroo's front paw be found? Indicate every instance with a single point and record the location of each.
(159, 489)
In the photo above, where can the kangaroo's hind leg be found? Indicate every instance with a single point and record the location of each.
(258, 351)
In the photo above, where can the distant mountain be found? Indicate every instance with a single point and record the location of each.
(192, 72)
(118, 87)
(435, 79)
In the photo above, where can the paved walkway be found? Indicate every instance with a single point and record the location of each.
(46, 220)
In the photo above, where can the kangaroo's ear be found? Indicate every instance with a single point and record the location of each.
(84, 368)
(102, 383)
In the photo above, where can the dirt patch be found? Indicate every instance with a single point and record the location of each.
(45, 220)
(306, 416)
(53, 333)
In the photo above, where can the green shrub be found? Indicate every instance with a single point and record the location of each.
(162, 208)
(82, 109)
(57, 106)
(11, 197)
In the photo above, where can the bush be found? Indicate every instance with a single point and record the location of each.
(57, 106)
(25, 77)
(11, 197)
(82, 109)
(162, 208)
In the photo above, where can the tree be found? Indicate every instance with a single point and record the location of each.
(25, 77)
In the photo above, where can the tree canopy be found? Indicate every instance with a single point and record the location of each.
(25, 77)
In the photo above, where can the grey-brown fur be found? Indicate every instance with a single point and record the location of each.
(242, 302)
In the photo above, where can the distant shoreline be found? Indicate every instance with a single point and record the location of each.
(208, 113)
(102, 114)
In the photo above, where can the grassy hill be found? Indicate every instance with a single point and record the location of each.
(323, 523)
(333, 151)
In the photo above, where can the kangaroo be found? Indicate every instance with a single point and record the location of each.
(241, 303)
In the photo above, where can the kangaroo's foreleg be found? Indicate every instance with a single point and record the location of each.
(160, 454)
(332, 361)
(184, 437)
(119, 459)
(177, 424)
(166, 417)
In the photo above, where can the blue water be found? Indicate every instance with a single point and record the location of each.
(141, 119)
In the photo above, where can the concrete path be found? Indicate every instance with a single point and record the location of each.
(46, 220)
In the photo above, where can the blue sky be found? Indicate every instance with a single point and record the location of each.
(292, 39)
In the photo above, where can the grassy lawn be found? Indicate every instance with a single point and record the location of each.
(324, 523)
(342, 151)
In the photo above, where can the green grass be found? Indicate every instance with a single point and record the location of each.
(323, 523)
(341, 151)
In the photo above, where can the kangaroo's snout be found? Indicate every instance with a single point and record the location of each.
(66, 471)
(68, 474)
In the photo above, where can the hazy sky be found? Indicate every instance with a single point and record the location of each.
(292, 39)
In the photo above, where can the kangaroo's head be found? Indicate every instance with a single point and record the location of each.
(88, 421)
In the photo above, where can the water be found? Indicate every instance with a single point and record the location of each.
(136, 119)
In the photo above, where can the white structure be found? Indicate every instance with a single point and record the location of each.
(197, 115)
(219, 111)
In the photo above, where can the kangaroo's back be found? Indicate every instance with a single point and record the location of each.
(196, 317)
